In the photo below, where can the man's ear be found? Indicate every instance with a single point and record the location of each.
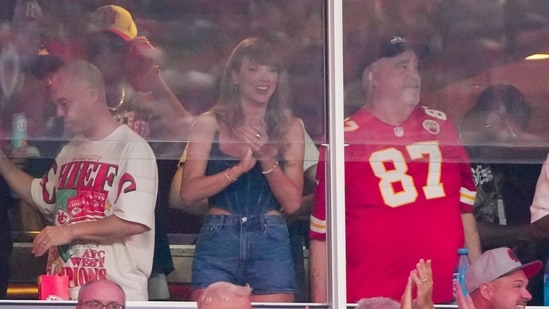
(92, 93)
(368, 77)
(485, 291)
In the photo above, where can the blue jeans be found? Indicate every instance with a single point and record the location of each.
(243, 250)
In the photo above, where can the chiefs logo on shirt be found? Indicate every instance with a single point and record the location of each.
(431, 126)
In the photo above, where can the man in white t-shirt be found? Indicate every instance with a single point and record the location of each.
(100, 191)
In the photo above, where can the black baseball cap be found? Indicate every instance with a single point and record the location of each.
(389, 46)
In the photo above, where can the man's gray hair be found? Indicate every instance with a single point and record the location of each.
(84, 71)
(371, 302)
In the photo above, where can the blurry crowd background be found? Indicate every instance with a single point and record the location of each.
(465, 43)
(469, 45)
(194, 39)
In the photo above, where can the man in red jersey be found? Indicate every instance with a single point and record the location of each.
(409, 191)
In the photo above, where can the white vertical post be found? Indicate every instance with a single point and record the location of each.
(335, 199)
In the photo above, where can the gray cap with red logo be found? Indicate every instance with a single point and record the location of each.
(494, 264)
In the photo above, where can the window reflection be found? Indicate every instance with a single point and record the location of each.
(467, 53)
(471, 45)
(176, 57)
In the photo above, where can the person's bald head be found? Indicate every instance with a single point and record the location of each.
(378, 303)
(225, 295)
(78, 91)
(101, 291)
(81, 72)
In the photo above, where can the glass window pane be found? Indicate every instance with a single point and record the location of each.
(161, 71)
(473, 69)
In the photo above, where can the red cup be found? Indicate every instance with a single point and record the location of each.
(53, 287)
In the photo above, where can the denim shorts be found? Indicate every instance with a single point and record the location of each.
(243, 250)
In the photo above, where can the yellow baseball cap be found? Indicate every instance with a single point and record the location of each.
(115, 19)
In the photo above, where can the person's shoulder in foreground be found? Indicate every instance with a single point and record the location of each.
(225, 295)
(101, 293)
(497, 279)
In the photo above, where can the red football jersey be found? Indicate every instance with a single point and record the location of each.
(405, 189)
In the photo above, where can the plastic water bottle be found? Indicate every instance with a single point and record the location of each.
(460, 269)
(18, 130)
(546, 283)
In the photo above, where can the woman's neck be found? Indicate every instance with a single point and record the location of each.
(254, 115)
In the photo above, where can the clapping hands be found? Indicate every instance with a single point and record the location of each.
(422, 279)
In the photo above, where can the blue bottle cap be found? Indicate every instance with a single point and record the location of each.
(463, 251)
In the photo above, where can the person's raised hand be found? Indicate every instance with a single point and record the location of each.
(422, 279)
(246, 163)
(406, 301)
(258, 141)
(463, 302)
(142, 63)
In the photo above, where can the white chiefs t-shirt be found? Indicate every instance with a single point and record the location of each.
(91, 180)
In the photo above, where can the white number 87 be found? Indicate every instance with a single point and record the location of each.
(389, 177)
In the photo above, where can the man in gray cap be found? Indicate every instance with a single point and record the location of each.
(498, 280)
